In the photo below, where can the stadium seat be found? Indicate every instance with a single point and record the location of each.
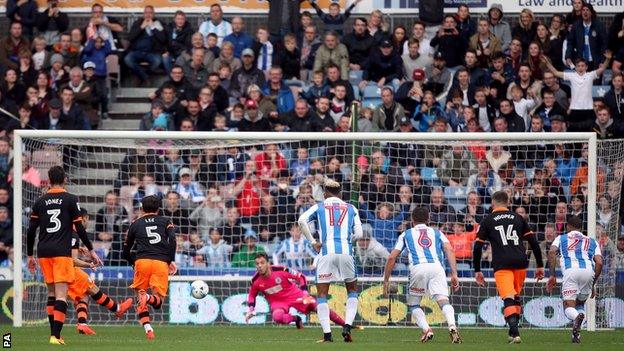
(456, 195)
(599, 91)
(371, 91)
(607, 76)
(355, 77)
(429, 175)
(371, 102)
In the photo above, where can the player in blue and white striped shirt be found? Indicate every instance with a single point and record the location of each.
(426, 248)
(581, 262)
(294, 252)
(338, 225)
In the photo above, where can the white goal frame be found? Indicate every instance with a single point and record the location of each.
(589, 138)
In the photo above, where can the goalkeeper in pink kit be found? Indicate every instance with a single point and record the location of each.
(283, 288)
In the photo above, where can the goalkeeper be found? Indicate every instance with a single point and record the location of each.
(283, 288)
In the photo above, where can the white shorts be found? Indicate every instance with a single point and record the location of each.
(335, 268)
(577, 284)
(426, 278)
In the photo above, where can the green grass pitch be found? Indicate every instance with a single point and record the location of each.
(251, 338)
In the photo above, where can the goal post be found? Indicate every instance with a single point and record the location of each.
(359, 145)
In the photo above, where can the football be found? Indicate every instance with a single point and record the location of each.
(199, 289)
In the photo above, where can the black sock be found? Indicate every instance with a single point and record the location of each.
(50, 311)
(60, 310)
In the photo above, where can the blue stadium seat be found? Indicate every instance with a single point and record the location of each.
(599, 91)
(355, 77)
(371, 91)
(371, 102)
(429, 175)
(456, 194)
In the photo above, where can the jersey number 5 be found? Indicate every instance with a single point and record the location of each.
(508, 235)
(152, 235)
(343, 213)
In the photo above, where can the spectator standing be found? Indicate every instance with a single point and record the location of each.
(283, 18)
(616, 33)
(614, 98)
(377, 27)
(582, 82)
(6, 236)
(418, 33)
(431, 13)
(25, 12)
(413, 60)
(484, 43)
(216, 24)
(449, 42)
(587, 39)
(238, 37)
(52, 22)
(246, 76)
(467, 26)
(334, 20)
(109, 218)
(217, 252)
(456, 166)
(498, 27)
(210, 214)
(179, 216)
(148, 42)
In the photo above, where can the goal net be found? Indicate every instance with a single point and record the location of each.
(234, 194)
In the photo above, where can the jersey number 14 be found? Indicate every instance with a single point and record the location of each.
(508, 234)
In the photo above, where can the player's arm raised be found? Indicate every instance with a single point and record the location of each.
(450, 255)
(303, 221)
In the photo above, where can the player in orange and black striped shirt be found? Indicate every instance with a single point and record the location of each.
(55, 214)
(506, 232)
(154, 259)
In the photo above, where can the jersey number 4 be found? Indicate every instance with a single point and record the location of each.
(343, 213)
(154, 238)
(508, 234)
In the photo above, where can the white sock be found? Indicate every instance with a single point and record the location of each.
(449, 314)
(418, 315)
(571, 313)
(147, 327)
(322, 309)
(352, 307)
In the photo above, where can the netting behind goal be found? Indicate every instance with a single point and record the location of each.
(232, 198)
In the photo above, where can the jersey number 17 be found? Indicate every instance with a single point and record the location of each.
(331, 209)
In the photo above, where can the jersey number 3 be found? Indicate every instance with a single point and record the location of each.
(54, 220)
(508, 234)
(154, 238)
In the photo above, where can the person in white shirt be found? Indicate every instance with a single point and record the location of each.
(413, 59)
(581, 263)
(426, 249)
(418, 32)
(216, 25)
(581, 82)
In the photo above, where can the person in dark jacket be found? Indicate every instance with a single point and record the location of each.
(297, 120)
(614, 98)
(515, 123)
(147, 43)
(359, 43)
(253, 120)
(431, 13)
(52, 22)
(179, 33)
(616, 33)
(334, 20)
(245, 76)
(595, 30)
(384, 66)
(466, 26)
(288, 57)
(322, 120)
(450, 43)
(25, 12)
(525, 30)
(549, 107)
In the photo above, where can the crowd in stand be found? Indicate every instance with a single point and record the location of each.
(447, 73)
